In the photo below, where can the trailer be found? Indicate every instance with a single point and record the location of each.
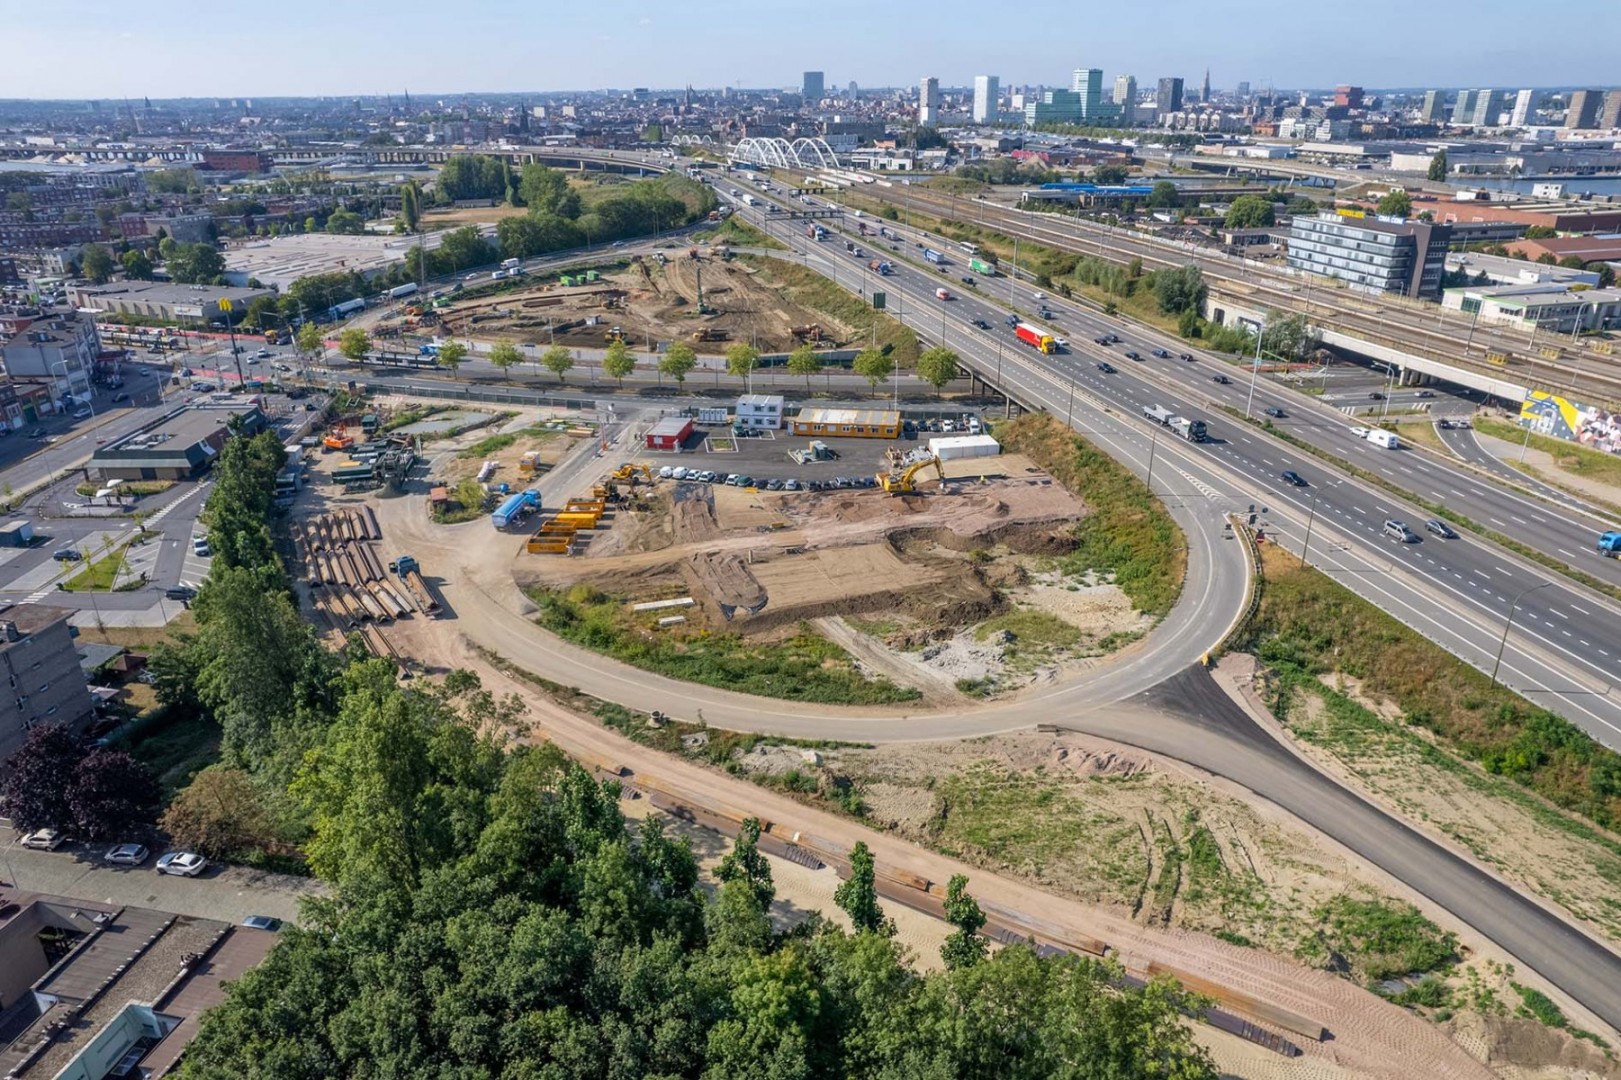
(515, 508)
(406, 568)
(399, 292)
(1386, 439)
(1035, 337)
(1159, 414)
(980, 266)
(934, 256)
(348, 307)
(510, 264)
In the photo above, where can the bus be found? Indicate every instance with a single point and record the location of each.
(969, 248)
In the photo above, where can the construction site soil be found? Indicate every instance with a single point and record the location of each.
(650, 301)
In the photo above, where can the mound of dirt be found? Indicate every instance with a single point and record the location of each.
(692, 515)
(727, 582)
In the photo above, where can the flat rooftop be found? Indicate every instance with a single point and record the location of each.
(282, 260)
(160, 292)
(32, 618)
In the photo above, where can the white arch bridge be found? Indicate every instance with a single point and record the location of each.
(692, 140)
(780, 153)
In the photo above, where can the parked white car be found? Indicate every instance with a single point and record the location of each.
(182, 863)
(43, 840)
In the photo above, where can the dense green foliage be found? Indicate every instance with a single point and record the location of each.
(491, 917)
(1251, 212)
(1388, 940)
(1396, 204)
(474, 176)
(1127, 532)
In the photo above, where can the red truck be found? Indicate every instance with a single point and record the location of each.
(1031, 335)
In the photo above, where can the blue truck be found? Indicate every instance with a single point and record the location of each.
(515, 508)
(1610, 544)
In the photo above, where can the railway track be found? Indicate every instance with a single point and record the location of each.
(1429, 332)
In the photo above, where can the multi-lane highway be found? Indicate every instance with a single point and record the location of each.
(1421, 330)
(1564, 647)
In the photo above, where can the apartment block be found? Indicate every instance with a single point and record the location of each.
(43, 680)
(1375, 254)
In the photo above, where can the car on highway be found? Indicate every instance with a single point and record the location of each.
(1133, 354)
(966, 280)
(126, 855)
(1426, 393)
(1398, 531)
(1106, 367)
(1104, 341)
(44, 840)
(1441, 529)
(980, 323)
(1376, 395)
(182, 864)
(1163, 354)
(262, 922)
(1274, 412)
(1292, 477)
(1224, 380)
(66, 555)
(1186, 356)
(1038, 296)
(1359, 433)
(262, 353)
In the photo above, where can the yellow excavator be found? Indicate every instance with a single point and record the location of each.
(629, 471)
(904, 483)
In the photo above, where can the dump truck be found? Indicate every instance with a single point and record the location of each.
(515, 508)
(409, 572)
(1035, 337)
(1191, 430)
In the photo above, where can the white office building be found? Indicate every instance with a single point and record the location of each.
(1088, 84)
(1125, 98)
(987, 92)
(759, 411)
(1522, 108)
(928, 101)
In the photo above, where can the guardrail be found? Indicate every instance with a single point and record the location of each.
(1252, 587)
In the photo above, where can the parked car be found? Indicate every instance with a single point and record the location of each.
(1441, 529)
(262, 922)
(66, 555)
(773, 485)
(82, 414)
(179, 592)
(182, 864)
(121, 396)
(37, 433)
(126, 855)
(1292, 477)
(43, 840)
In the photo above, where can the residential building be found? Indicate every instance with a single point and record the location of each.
(1348, 97)
(253, 161)
(1434, 109)
(1488, 108)
(1610, 117)
(1242, 90)
(1523, 108)
(1125, 98)
(759, 411)
(987, 95)
(1463, 108)
(178, 446)
(1583, 112)
(1546, 305)
(1589, 249)
(928, 101)
(812, 87)
(59, 352)
(1372, 253)
(1169, 97)
(44, 683)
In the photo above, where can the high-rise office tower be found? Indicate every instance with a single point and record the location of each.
(1583, 111)
(1243, 91)
(928, 101)
(1463, 109)
(1169, 97)
(1088, 84)
(1125, 98)
(1610, 116)
(812, 90)
(1522, 108)
(1434, 110)
(987, 91)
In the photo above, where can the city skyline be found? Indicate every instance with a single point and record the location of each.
(333, 51)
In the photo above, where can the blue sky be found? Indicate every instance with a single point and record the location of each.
(160, 48)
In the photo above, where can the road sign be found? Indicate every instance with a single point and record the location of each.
(878, 299)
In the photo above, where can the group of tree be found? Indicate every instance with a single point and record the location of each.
(1396, 203)
(1180, 290)
(1008, 170)
(56, 780)
(491, 915)
(475, 176)
(192, 264)
(1251, 212)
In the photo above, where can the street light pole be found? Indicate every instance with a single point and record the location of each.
(1501, 645)
(1305, 548)
(1255, 369)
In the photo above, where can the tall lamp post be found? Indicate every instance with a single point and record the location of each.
(1508, 623)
